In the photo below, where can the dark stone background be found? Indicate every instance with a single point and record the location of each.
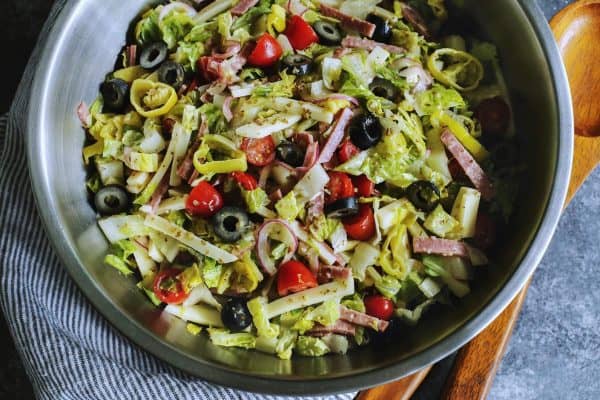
(555, 350)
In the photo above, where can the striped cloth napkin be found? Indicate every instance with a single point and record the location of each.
(68, 349)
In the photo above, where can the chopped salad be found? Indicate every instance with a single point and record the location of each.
(300, 176)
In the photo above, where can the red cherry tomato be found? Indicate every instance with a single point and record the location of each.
(204, 200)
(494, 115)
(364, 186)
(246, 181)
(300, 33)
(293, 276)
(339, 187)
(362, 225)
(259, 152)
(168, 288)
(347, 151)
(266, 52)
(485, 231)
(379, 307)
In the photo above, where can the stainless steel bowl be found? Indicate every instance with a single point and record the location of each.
(81, 49)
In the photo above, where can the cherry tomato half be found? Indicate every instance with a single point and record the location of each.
(266, 52)
(339, 187)
(246, 181)
(379, 307)
(293, 276)
(364, 186)
(347, 151)
(204, 200)
(259, 152)
(362, 225)
(300, 33)
(168, 288)
(493, 115)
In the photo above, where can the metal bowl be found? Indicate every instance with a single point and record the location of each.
(81, 49)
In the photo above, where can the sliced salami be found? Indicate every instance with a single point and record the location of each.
(468, 164)
(362, 319)
(368, 44)
(340, 327)
(442, 247)
(242, 6)
(349, 22)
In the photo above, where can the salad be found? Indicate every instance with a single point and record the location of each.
(301, 176)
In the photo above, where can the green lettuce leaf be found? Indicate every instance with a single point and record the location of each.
(222, 337)
(288, 207)
(211, 272)
(311, 346)
(174, 27)
(256, 306)
(147, 30)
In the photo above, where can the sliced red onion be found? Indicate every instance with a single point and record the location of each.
(336, 136)
(325, 252)
(227, 108)
(83, 112)
(311, 154)
(158, 194)
(242, 7)
(176, 5)
(279, 230)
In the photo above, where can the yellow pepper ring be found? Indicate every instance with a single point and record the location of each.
(217, 142)
(161, 98)
(463, 73)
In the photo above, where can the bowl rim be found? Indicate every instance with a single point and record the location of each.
(144, 338)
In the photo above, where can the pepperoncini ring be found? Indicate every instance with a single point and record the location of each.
(152, 99)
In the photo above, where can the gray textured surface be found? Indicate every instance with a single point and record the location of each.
(555, 350)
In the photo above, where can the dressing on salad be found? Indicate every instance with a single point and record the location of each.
(297, 176)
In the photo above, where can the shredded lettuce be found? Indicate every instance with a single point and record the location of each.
(147, 30)
(214, 117)
(222, 337)
(285, 344)
(288, 207)
(257, 307)
(436, 267)
(174, 27)
(256, 200)
(311, 346)
(281, 88)
(191, 277)
(355, 302)
(211, 272)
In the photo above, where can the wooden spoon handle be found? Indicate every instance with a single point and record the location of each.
(401, 389)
